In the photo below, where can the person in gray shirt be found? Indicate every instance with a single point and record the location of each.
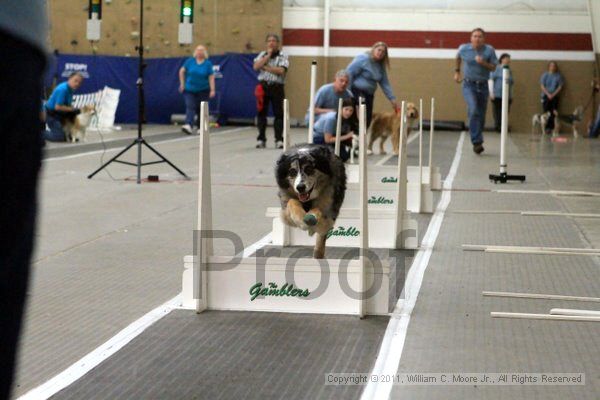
(328, 96)
(23, 34)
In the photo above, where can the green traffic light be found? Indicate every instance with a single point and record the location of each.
(187, 11)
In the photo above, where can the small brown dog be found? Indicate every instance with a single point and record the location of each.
(75, 127)
(387, 124)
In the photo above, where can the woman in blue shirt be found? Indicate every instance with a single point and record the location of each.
(496, 90)
(551, 83)
(366, 71)
(197, 83)
(325, 128)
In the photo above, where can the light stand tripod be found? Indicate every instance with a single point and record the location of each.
(139, 141)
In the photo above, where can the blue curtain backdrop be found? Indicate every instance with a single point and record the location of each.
(235, 83)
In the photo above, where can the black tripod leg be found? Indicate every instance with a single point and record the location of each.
(90, 176)
(164, 159)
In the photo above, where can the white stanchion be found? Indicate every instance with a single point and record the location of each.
(286, 125)
(205, 245)
(338, 128)
(503, 177)
(364, 205)
(401, 176)
(311, 109)
(431, 130)
(420, 155)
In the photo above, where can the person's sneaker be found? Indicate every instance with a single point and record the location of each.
(186, 129)
(478, 148)
(279, 144)
(261, 144)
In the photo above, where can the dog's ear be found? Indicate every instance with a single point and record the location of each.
(323, 155)
(282, 167)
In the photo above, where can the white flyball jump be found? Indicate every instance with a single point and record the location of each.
(279, 284)
(390, 225)
(422, 180)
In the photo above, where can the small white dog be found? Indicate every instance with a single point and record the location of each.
(573, 119)
(541, 120)
(75, 129)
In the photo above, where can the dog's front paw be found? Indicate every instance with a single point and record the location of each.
(319, 253)
(369, 152)
(301, 225)
(383, 152)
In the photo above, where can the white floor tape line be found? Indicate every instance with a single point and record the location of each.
(93, 359)
(181, 139)
(389, 156)
(392, 344)
(117, 342)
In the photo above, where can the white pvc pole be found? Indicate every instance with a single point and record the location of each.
(420, 154)
(431, 128)
(286, 125)
(504, 126)
(205, 248)
(541, 296)
(400, 193)
(364, 206)
(326, 35)
(545, 316)
(338, 128)
(311, 112)
(570, 311)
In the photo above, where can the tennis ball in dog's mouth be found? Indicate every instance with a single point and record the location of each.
(310, 219)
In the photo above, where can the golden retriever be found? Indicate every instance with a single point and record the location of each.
(387, 124)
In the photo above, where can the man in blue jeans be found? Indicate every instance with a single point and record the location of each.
(479, 60)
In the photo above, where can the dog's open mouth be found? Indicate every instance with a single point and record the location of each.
(304, 197)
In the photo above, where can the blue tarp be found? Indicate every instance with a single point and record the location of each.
(235, 83)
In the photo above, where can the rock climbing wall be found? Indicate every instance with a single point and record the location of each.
(223, 26)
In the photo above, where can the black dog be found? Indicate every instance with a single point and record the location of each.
(312, 185)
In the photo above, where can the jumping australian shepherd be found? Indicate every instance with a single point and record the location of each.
(76, 126)
(387, 124)
(312, 185)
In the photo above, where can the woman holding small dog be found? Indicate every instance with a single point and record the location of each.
(197, 83)
(368, 70)
(551, 83)
(326, 126)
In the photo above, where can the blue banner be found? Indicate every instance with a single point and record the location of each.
(235, 83)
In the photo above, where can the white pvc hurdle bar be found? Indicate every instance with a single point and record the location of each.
(400, 196)
(311, 109)
(205, 246)
(364, 205)
(421, 157)
(286, 124)
(431, 128)
(338, 128)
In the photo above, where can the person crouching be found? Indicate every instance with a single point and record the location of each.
(59, 108)
(325, 128)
